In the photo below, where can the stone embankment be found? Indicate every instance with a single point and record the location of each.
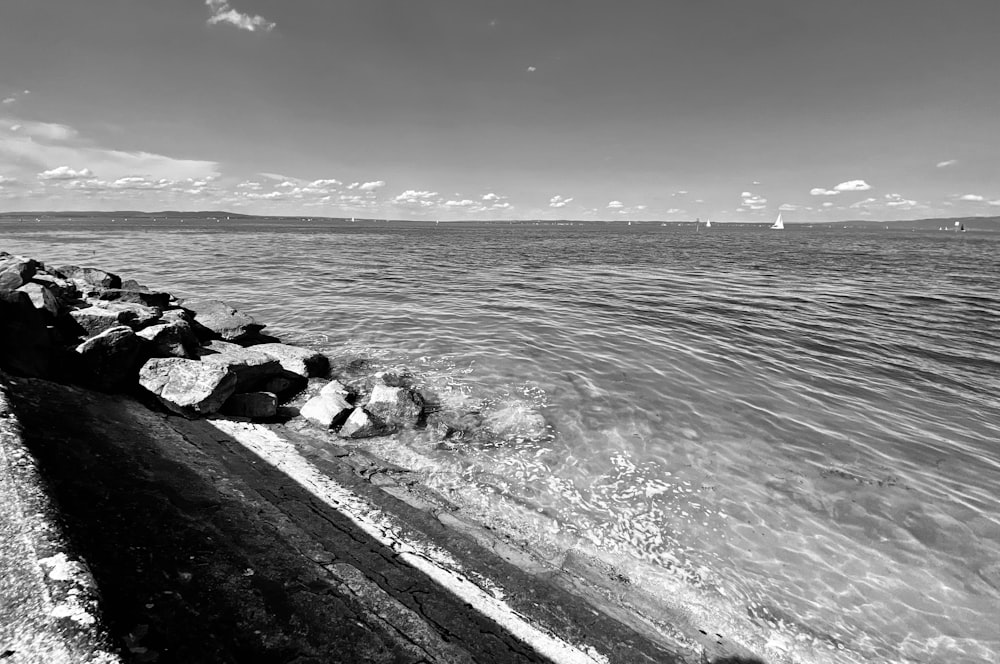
(142, 441)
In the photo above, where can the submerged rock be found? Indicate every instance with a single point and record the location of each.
(110, 359)
(218, 320)
(513, 418)
(188, 387)
(328, 408)
(302, 361)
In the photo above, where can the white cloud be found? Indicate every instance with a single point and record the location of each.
(558, 201)
(65, 173)
(615, 205)
(249, 185)
(418, 199)
(532, 68)
(372, 186)
(6, 181)
(752, 201)
(788, 207)
(464, 203)
(865, 203)
(946, 163)
(897, 201)
(827, 204)
(641, 207)
(996, 202)
(46, 131)
(971, 197)
(223, 13)
(853, 185)
(756, 182)
(820, 191)
(9, 100)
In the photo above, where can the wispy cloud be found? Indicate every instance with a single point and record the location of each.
(946, 163)
(900, 203)
(559, 201)
(222, 12)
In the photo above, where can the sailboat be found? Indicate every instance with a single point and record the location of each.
(778, 225)
(708, 223)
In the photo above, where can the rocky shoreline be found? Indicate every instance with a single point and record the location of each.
(142, 365)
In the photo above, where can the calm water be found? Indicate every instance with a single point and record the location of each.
(791, 436)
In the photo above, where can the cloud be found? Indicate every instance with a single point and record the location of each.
(6, 181)
(65, 173)
(249, 185)
(8, 100)
(372, 186)
(223, 13)
(752, 201)
(897, 201)
(615, 205)
(46, 131)
(820, 191)
(827, 204)
(996, 202)
(864, 203)
(853, 185)
(532, 68)
(946, 163)
(417, 199)
(559, 201)
(971, 197)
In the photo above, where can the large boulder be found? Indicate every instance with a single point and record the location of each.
(329, 408)
(45, 300)
(92, 321)
(90, 278)
(284, 384)
(396, 407)
(64, 289)
(250, 367)
(109, 360)
(216, 319)
(173, 339)
(361, 424)
(302, 361)
(255, 405)
(136, 316)
(144, 297)
(15, 271)
(25, 342)
(187, 387)
(102, 316)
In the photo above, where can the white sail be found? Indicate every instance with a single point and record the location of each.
(708, 223)
(778, 225)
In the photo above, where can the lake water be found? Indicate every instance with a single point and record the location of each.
(793, 437)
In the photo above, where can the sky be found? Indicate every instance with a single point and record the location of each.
(733, 110)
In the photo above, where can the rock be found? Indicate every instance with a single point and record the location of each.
(92, 321)
(136, 316)
(257, 405)
(513, 418)
(43, 299)
(250, 367)
(64, 289)
(360, 424)
(89, 276)
(285, 385)
(144, 297)
(328, 408)
(25, 343)
(15, 271)
(109, 360)
(171, 315)
(187, 387)
(173, 339)
(222, 321)
(397, 407)
(453, 424)
(133, 285)
(302, 361)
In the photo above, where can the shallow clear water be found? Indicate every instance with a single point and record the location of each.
(792, 436)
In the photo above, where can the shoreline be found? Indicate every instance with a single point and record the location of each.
(570, 597)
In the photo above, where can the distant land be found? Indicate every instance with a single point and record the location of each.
(981, 224)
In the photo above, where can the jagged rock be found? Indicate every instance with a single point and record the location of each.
(171, 315)
(136, 316)
(43, 299)
(187, 387)
(144, 297)
(360, 424)
(94, 320)
(284, 384)
(15, 271)
(513, 418)
(64, 289)
(302, 361)
(173, 339)
(89, 276)
(25, 343)
(109, 360)
(397, 407)
(250, 367)
(257, 405)
(221, 321)
(328, 408)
